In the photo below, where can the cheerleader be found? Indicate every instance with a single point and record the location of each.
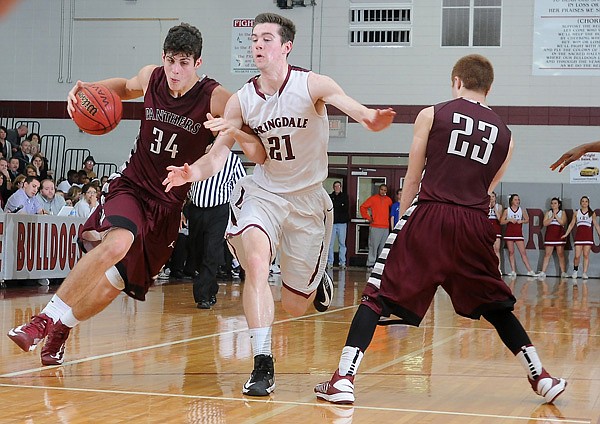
(585, 217)
(554, 221)
(514, 217)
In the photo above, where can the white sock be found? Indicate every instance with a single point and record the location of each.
(69, 319)
(350, 360)
(528, 357)
(260, 338)
(56, 308)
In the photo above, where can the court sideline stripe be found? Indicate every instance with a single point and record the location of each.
(282, 402)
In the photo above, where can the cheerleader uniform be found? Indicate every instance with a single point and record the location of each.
(514, 232)
(584, 235)
(495, 220)
(554, 232)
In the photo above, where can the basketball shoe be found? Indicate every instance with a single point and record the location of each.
(53, 351)
(338, 390)
(324, 293)
(547, 386)
(262, 379)
(27, 336)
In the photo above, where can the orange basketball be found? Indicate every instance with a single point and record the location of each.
(98, 109)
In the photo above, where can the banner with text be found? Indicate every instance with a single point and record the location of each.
(566, 37)
(39, 246)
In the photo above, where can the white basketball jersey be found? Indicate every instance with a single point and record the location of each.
(295, 136)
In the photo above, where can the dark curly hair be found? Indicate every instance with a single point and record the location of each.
(184, 38)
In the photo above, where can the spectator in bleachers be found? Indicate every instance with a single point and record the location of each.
(82, 178)
(15, 135)
(65, 185)
(34, 138)
(5, 147)
(24, 199)
(73, 195)
(6, 186)
(13, 168)
(51, 203)
(88, 202)
(103, 180)
(17, 184)
(24, 155)
(40, 166)
(88, 167)
(31, 171)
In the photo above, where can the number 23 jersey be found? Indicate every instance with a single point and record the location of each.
(467, 145)
(294, 134)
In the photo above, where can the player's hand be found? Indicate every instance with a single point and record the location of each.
(177, 176)
(219, 125)
(72, 99)
(382, 118)
(569, 157)
(564, 236)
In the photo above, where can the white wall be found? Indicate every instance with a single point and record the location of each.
(400, 76)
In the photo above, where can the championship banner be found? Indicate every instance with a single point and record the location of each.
(38, 246)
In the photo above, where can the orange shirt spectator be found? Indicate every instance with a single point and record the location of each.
(379, 205)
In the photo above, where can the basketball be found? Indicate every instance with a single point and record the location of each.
(98, 109)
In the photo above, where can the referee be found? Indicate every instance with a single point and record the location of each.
(208, 218)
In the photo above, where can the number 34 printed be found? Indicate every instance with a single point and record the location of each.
(156, 145)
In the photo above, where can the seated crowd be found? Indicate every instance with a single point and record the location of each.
(28, 186)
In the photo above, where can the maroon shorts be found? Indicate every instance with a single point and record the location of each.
(440, 245)
(154, 225)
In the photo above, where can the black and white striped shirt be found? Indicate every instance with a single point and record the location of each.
(216, 190)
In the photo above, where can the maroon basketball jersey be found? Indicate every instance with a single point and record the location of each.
(468, 143)
(171, 133)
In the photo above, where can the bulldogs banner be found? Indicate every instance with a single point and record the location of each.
(38, 246)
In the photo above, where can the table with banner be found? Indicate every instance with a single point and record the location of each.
(38, 246)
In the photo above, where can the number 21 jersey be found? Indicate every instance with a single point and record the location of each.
(294, 134)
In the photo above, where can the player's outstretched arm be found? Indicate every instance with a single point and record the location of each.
(327, 90)
(231, 127)
(205, 167)
(574, 154)
(126, 89)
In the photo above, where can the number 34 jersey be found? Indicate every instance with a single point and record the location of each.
(294, 134)
(171, 133)
(468, 143)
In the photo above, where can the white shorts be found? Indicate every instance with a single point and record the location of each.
(299, 224)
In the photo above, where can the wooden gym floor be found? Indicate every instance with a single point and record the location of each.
(164, 361)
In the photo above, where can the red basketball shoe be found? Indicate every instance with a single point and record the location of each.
(338, 390)
(27, 336)
(547, 386)
(54, 349)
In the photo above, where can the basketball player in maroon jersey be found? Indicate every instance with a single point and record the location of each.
(447, 221)
(132, 232)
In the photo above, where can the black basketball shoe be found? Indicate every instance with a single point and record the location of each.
(262, 379)
(324, 293)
